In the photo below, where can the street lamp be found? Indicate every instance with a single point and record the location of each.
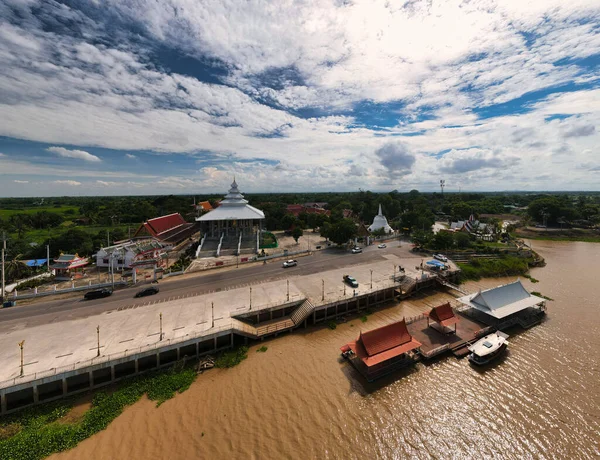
(371, 279)
(288, 290)
(21, 343)
(250, 297)
(161, 334)
(98, 334)
(212, 308)
(322, 290)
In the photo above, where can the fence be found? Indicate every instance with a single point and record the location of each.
(36, 293)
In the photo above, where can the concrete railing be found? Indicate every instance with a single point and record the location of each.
(199, 248)
(220, 244)
(17, 296)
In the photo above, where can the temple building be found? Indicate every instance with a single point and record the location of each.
(170, 230)
(381, 351)
(380, 222)
(69, 267)
(233, 218)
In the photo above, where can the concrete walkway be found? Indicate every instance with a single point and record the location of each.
(131, 327)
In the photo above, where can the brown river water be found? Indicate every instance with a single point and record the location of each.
(298, 400)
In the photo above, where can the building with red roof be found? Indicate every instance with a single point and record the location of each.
(443, 315)
(308, 208)
(381, 351)
(171, 229)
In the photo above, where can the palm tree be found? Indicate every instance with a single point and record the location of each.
(15, 269)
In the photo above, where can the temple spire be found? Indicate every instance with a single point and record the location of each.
(380, 213)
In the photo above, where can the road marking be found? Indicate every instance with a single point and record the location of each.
(62, 356)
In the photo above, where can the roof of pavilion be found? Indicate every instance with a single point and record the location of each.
(443, 315)
(171, 228)
(502, 301)
(387, 342)
(233, 207)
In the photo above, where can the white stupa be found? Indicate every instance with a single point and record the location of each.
(380, 222)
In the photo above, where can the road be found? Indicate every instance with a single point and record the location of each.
(46, 310)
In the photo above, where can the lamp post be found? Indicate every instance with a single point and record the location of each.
(322, 290)
(371, 279)
(394, 277)
(160, 317)
(98, 334)
(21, 343)
(3, 279)
(288, 290)
(212, 308)
(250, 297)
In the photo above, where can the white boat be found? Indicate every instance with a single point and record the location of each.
(488, 348)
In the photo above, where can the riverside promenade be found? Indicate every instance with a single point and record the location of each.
(64, 357)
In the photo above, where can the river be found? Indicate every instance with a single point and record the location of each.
(298, 400)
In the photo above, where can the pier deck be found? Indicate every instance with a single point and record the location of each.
(434, 342)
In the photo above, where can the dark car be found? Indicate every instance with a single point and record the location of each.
(97, 294)
(351, 281)
(147, 291)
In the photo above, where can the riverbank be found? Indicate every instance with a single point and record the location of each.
(555, 234)
(476, 269)
(40, 431)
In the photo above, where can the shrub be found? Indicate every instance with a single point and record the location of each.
(331, 325)
(231, 358)
(262, 349)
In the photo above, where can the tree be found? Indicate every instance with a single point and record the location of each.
(297, 232)
(15, 269)
(443, 240)
(342, 231)
(463, 240)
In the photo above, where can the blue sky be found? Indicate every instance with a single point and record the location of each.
(143, 97)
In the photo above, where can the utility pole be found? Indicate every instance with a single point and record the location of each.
(98, 334)
(107, 238)
(21, 343)
(442, 185)
(323, 290)
(3, 254)
(48, 256)
(160, 318)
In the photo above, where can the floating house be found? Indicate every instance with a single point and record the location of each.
(380, 222)
(381, 351)
(505, 306)
(443, 316)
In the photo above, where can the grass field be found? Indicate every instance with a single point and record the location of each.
(6, 213)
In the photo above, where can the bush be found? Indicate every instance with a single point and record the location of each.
(505, 266)
(331, 325)
(231, 358)
(262, 349)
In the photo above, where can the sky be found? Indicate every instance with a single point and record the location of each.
(133, 97)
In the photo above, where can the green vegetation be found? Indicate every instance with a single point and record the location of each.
(364, 318)
(262, 349)
(531, 278)
(231, 358)
(539, 294)
(268, 241)
(488, 268)
(37, 432)
(332, 325)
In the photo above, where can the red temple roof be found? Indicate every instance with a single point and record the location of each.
(443, 315)
(384, 343)
(163, 224)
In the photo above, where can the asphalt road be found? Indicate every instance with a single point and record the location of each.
(46, 310)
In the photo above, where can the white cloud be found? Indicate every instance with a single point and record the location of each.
(78, 154)
(130, 156)
(72, 183)
(16, 181)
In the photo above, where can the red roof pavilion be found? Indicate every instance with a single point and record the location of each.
(169, 229)
(383, 344)
(443, 315)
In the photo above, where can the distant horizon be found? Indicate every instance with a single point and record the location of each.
(195, 194)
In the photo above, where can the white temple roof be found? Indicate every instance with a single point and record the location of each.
(503, 300)
(380, 222)
(233, 207)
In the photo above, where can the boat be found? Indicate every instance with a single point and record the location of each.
(488, 348)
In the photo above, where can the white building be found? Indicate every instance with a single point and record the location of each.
(233, 217)
(131, 253)
(380, 222)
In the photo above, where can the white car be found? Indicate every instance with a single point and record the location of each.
(441, 257)
(290, 263)
(356, 250)
(382, 246)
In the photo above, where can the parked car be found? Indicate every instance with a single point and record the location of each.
(290, 263)
(356, 250)
(351, 281)
(441, 257)
(97, 294)
(382, 246)
(147, 291)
